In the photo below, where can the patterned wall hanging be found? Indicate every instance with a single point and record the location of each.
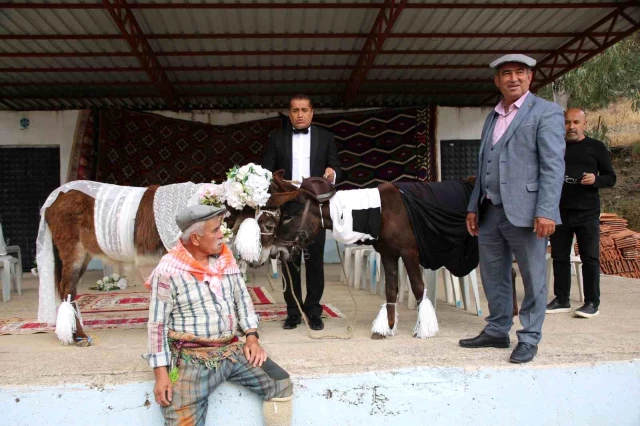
(82, 159)
(139, 149)
(389, 145)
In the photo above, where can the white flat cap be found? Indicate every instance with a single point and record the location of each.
(198, 213)
(514, 57)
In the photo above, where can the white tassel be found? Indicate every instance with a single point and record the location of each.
(66, 322)
(427, 325)
(381, 324)
(247, 240)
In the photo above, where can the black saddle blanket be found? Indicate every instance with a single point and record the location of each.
(437, 212)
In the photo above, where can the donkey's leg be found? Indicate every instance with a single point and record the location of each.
(412, 264)
(390, 263)
(73, 266)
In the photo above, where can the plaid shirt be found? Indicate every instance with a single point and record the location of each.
(184, 304)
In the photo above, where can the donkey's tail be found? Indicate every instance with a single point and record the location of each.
(45, 259)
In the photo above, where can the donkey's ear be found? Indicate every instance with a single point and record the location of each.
(278, 175)
(276, 200)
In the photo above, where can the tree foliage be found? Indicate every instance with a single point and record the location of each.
(606, 78)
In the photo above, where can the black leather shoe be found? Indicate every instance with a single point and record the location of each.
(556, 306)
(484, 340)
(588, 310)
(291, 322)
(524, 352)
(315, 322)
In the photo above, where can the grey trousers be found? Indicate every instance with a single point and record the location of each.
(499, 240)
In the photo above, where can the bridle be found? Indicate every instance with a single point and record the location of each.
(274, 213)
(321, 200)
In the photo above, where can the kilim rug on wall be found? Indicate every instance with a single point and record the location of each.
(139, 149)
(139, 301)
(387, 145)
(127, 320)
(82, 160)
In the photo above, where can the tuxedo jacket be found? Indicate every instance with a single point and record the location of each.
(323, 153)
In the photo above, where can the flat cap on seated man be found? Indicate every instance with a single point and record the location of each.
(198, 213)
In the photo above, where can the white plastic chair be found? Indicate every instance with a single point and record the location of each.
(451, 286)
(9, 272)
(370, 270)
(576, 266)
(353, 255)
(11, 268)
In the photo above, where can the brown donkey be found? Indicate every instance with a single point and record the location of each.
(306, 211)
(71, 221)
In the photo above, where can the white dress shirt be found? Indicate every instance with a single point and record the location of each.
(301, 157)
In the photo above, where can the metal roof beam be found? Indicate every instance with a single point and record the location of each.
(315, 5)
(239, 82)
(222, 36)
(609, 40)
(330, 92)
(22, 70)
(131, 32)
(245, 53)
(381, 28)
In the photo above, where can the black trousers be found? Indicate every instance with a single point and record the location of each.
(586, 226)
(314, 265)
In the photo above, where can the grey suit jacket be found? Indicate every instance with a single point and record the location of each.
(531, 163)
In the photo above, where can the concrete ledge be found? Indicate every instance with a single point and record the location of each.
(602, 394)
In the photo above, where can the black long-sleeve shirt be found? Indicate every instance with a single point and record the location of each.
(586, 156)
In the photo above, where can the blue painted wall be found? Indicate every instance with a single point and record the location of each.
(603, 394)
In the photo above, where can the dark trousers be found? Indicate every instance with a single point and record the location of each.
(314, 265)
(586, 226)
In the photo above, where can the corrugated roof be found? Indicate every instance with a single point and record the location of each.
(254, 54)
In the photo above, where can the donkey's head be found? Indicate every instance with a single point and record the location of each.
(304, 214)
(267, 218)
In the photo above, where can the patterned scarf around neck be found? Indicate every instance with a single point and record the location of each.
(180, 261)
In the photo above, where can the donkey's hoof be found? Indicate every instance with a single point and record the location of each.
(376, 336)
(83, 342)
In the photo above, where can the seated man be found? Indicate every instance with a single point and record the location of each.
(198, 300)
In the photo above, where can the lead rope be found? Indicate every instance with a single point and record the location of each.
(350, 327)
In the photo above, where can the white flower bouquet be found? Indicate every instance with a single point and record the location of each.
(228, 233)
(111, 282)
(212, 195)
(247, 186)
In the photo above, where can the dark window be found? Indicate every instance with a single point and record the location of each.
(27, 177)
(459, 158)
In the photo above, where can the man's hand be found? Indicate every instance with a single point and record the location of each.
(543, 227)
(163, 390)
(254, 352)
(472, 224)
(588, 179)
(329, 174)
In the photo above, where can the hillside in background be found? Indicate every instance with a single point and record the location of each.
(623, 134)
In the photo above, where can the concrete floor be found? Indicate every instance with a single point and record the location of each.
(40, 360)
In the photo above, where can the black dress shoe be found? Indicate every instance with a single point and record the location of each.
(484, 340)
(524, 352)
(556, 306)
(315, 322)
(291, 322)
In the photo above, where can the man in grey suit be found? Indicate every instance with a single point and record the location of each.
(514, 206)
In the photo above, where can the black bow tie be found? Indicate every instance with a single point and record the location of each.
(298, 131)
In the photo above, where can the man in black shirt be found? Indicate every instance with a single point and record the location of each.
(587, 168)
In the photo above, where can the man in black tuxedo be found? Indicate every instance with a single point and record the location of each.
(304, 150)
